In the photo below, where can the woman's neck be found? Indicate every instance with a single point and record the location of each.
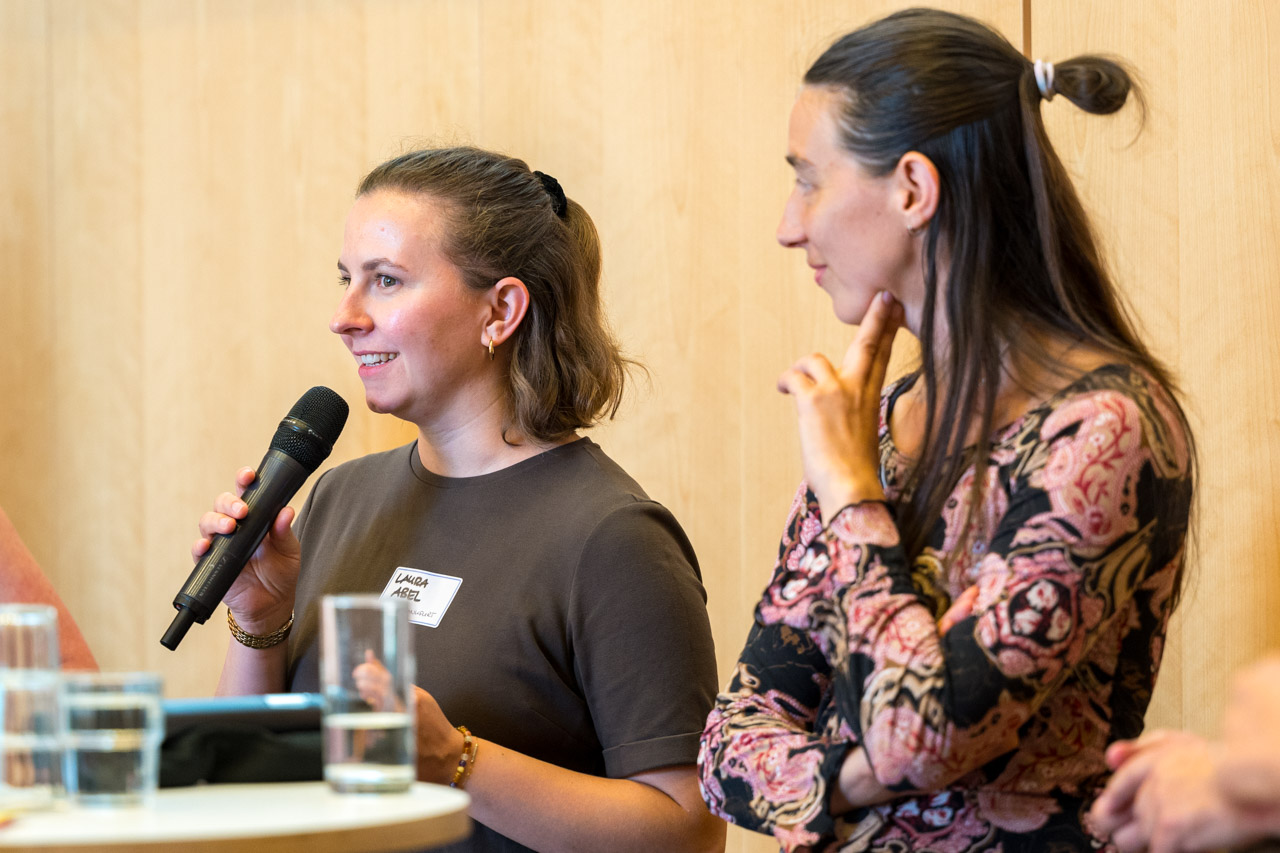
(1023, 383)
(480, 444)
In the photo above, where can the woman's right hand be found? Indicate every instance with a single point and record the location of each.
(261, 598)
(838, 411)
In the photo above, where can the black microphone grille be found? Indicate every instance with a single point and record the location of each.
(308, 432)
(323, 410)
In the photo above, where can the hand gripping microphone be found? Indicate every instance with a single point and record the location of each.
(302, 441)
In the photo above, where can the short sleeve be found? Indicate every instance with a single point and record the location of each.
(642, 640)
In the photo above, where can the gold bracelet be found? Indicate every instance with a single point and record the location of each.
(470, 746)
(254, 641)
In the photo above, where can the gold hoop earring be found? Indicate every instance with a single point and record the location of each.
(491, 349)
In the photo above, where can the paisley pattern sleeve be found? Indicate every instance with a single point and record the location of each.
(764, 764)
(1085, 503)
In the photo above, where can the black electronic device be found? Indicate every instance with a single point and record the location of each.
(303, 440)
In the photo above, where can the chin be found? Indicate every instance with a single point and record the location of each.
(851, 313)
(373, 405)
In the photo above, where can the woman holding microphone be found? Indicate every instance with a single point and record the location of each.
(577, 649)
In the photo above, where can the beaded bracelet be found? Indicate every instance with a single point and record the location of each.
(255, 641)
(470, 746)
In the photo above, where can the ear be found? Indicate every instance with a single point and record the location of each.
(507, 301)
(916, 190)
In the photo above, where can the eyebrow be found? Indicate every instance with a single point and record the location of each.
(797, 162)
(373, 263)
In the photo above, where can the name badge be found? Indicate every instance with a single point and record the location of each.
(429, 594)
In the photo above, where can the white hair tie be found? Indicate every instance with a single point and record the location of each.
(1044, 78)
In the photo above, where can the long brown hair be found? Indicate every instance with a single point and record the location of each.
(567, 371)
(1023, 260)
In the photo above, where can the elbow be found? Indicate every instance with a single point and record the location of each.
(706, 829)
(707, 835)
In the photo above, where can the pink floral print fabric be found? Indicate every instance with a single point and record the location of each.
(993, 730)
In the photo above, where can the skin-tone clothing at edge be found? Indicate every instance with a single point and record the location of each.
(23, 582)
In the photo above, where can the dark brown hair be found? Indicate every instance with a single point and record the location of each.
(567, 372)
(1023, 258)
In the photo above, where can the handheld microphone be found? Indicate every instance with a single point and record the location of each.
(303, 440)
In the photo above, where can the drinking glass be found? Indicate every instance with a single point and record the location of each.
(366, 673)
(30, 734)
(114, 722)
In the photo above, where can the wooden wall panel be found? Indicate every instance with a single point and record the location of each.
(98, 369)
(1229, 254)
(1187, 211)
(27, 490)
(1125, 168)
(177, 174)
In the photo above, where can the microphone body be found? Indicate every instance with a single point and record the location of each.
(303, 440)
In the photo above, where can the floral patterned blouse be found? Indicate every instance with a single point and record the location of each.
(992, 731)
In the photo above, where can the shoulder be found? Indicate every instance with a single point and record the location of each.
(585, 463)
(625, 532)
(1122, 408)
(579, 484)
(1107, 457)
(637, 563)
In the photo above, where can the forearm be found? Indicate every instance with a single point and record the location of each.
(858, 785)
(247, 671)
(550, 808)
(765, 769)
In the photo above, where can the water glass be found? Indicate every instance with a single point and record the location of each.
(366, 673)
(114, 723)
(30, 733)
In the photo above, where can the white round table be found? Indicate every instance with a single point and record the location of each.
(275, 818)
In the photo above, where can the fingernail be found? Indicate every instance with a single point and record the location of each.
(239, 506)
(887, 297)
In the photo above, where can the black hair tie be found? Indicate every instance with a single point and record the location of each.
(559, 203)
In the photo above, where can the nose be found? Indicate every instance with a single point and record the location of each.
(349, 317)
(790, 233)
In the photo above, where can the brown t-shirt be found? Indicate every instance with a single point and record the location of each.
(572, 621)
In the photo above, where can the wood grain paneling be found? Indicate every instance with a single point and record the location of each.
(177, 173)
(1187, 210)
(98, 371)
(27, 298)
(1229, 254)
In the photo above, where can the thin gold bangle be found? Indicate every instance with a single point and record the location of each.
(255, 641)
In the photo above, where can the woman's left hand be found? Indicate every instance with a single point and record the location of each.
(839, 411)
(439, 743)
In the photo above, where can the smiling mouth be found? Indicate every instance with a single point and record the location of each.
(371, 358)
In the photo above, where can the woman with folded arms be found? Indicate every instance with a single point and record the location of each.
(974, 582)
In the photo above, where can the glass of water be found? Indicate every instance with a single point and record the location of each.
(30, 733)
(113, 722)
(366, 672)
